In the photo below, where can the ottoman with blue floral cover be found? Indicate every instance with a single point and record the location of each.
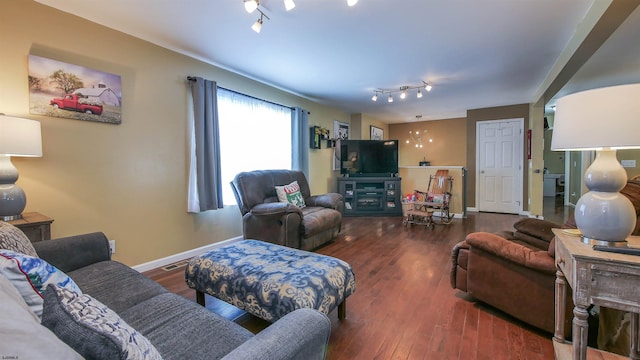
(269, 280)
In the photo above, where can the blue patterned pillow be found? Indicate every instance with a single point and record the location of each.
(31, 275)
(91, 328)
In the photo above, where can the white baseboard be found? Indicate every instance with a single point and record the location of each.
(472, 209)
(183, 255)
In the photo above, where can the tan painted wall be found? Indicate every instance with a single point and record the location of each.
(126, 180)
(553, 160)
(362, 123)
(449, 146)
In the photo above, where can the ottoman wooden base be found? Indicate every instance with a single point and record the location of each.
(269, 280)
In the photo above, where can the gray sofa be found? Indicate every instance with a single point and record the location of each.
(177, 327)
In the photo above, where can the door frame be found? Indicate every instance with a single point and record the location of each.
(520, 175)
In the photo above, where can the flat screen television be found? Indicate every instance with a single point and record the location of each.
(369, 157)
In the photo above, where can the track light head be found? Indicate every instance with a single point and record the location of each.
(251, 5)
(352, 2)
(257, 26)
(402, 90)
(289, 4)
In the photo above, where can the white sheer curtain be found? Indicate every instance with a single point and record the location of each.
(254, 135)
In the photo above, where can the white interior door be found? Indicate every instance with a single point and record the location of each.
(499, 165)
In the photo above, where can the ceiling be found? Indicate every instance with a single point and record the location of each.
(476, 54)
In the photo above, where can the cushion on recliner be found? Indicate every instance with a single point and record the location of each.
(318, 219)
(508, 250)
(538, 228)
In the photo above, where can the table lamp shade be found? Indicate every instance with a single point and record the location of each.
(599, 118)
(602, 119)
(18, 137)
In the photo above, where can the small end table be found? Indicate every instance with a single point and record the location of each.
(36, 226)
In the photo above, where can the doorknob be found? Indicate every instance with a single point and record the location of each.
(481, 171)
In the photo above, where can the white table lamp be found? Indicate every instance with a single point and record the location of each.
(18, 137)
(604, 120)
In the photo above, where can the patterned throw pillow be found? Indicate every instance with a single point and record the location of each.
(91, 328)
(12, 238)
(31, 275)
(291, 194)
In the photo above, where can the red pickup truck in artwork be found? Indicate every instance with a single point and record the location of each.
(77, 103)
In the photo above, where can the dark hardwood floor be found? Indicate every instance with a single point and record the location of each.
(404, 306)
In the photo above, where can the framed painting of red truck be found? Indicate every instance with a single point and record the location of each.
(75, 92)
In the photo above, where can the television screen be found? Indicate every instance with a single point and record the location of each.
(369, 157)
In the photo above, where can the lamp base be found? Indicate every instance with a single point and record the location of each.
(589, 241)
(11, 217)
(604, 215)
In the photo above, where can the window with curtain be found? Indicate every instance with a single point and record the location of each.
(254, 135)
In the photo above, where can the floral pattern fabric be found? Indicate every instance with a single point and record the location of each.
(31, 275)
(269, 280)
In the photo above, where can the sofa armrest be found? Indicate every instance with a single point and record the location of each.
(275, 209)
(516, 253)
(302, 334)
(73, 252)
(330, 200)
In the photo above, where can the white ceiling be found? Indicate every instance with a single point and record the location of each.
(476, 54)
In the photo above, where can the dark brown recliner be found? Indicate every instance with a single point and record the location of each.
(514, 271)
(265, 218)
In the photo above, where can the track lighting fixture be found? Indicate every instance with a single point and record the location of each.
(257, 26)
(403, 91)
(403, 94)
(289, 4)
(251, 5)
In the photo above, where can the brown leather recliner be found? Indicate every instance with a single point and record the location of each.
(514, 271)
(265, 218)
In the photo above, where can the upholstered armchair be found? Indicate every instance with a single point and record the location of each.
(514, 271)
(311, 222)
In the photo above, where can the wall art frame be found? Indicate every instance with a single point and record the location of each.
(376, 133)
(342, 132)
(71, 91)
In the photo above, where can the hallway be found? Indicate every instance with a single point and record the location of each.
(553, 209)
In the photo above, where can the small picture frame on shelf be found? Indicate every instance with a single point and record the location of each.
(315, 137)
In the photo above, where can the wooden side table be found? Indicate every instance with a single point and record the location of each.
(36, 226)
(599, 278)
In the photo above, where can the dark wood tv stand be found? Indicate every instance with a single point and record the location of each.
(371, 196)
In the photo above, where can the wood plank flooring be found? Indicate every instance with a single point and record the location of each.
(404, 306)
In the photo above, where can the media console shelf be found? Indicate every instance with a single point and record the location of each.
(371, 196)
